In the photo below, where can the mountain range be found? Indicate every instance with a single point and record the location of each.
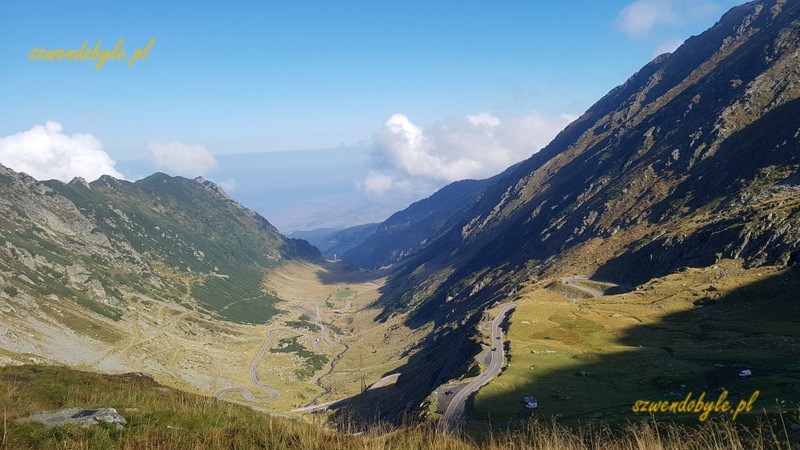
(377, 245)
(693, 161)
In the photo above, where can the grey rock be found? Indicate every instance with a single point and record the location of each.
(78, 416)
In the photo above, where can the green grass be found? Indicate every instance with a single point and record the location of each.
(302, 323)
(580, 357)
(97, 307)
(164, 418)
(335, 328)
(158, 417)
(237, 298)
(343, 294)
(312, 361)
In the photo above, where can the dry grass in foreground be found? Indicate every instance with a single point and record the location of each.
(163, 418)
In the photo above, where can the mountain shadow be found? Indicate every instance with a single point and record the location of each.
(440, 354)
(694, 158)
(701, 350)
(735, 165)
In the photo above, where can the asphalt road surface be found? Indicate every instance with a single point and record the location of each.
(273, 393)
(455, 410)
(323, 406)
(571, 283)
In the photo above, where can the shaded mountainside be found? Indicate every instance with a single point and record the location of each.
(103, 243)
(333, 242)
(411, 229)
(158, 417)
(376, 245)
(695, 158)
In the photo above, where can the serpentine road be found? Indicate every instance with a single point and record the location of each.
(273, 393)
(571, 283)
(455, 410)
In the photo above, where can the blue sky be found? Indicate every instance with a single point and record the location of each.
(245, 76)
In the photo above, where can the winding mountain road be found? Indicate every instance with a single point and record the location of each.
(274, 394)
(325, 333)
(571, 282)
(254, 379)
(324, 406)
(455, 410)
(384, 381)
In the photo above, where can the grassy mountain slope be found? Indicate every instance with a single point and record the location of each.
(411, 229)
(695, 159)
(171, 277)
(688, 332)
(334, 243)
(102, 242)
(163, 276)
(160, 417)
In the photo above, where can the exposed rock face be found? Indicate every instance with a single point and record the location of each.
(696, 157)
(78, 416)
(103, 243)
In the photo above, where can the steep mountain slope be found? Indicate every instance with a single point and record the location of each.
(333, 243)
(104, 242)
(163, 275)
(409, 230)
(171, 277)
(376, 245)
(694, 158)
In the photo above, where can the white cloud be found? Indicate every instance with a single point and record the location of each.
(641, 16)
(182, 158)
(45, 153)
(476, 146)
(229, 185)
(377, 183)
(667, 47)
